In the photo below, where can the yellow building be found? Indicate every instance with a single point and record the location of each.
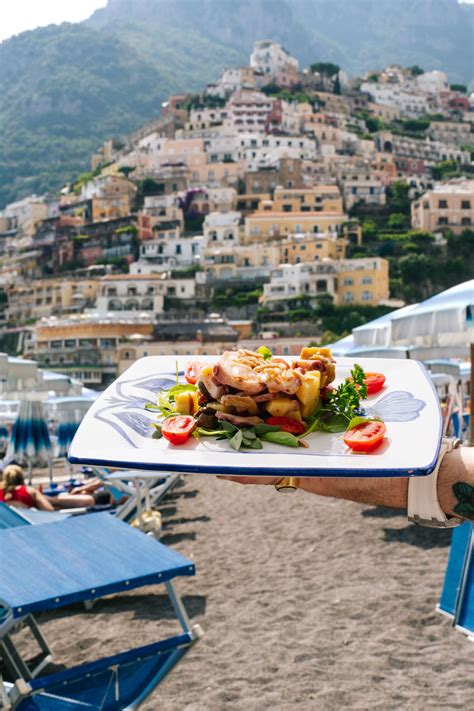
(311, 248)
(362, 281)
(323, 198)
(306, 211)
(211, 174)
(41, 298)
(87, 348)
(450, 206)
(268, 224)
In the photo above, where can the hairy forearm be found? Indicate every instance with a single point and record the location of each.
(455, 474)
(377, 492)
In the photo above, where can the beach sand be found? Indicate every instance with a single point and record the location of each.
(305, 603)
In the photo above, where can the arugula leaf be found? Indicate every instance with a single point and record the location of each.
(248, 433)
(236, 441)
(262, 428)
(266, 352)
(256, 444)
(202, 431)
(228, 427)
(284, 438)
(336, 423)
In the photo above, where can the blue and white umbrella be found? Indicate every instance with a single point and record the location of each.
(29, 441)
(65, 434)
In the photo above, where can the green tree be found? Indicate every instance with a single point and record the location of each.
(397, 221)
(416, 70)
(327, 68)
(369, 230)
(462, 88)
(443, 169)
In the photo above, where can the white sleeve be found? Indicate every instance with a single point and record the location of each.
(423, 503)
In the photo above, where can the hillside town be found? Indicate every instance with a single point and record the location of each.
(245, 212)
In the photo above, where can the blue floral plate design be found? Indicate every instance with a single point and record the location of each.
(117, 429)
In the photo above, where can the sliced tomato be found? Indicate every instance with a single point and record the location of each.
(177, 429)
(287, 424)
(366, 436)
(191, 373)
(374, 382)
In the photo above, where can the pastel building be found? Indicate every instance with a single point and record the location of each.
(449, 206)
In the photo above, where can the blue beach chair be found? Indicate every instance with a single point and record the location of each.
(457, 596)
(62, 564)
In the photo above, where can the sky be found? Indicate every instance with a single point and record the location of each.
(20, 15)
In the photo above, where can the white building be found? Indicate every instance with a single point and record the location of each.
(432, 82)
(259, 150)
(164, 254)
(231, 80)
(409, 103)
(271, 58)
(221, 228)
(129, 293)
(289, 281)
(248, 111)
(367, 188)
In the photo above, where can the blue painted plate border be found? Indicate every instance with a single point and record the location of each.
(392, 472)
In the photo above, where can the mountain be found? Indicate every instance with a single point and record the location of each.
(65, 88)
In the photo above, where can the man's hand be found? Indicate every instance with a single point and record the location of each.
(252, 479)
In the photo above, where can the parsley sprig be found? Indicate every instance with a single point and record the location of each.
(342, 404)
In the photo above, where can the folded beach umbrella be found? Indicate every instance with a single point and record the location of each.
(65, 434)
(444, 319)
(29, 441)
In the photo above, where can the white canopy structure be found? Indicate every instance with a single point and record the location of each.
(446, 319)
(378, 333)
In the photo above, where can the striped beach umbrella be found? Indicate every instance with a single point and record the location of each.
(29, 441)
(65, 434)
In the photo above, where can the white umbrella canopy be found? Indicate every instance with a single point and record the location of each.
(446, 319)
(379, 331)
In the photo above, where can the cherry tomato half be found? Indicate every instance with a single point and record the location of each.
(177, 429)
(192, 371)
(287, 424)
(374, 382)
(366, 436)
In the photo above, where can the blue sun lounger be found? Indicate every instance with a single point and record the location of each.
(457, 596)
(11, 517)
(62, 563)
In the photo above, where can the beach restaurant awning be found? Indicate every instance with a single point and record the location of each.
(444, 319)
(379, 331)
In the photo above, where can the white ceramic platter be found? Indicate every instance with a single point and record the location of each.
(116, 430)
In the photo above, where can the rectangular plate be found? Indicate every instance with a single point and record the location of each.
(116, 430)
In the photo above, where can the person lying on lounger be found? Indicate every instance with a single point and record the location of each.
(14, 492)
(441, 500)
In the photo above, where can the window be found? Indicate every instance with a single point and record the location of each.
(321, 286)
(132, 291)
(319, 245)
(442, 221)
(465, 221)
(348, 281)
(465, 205)
(366, 296)
(178, 249)
(287, 208)
(349, 296)
(442, 204)
(367, 280)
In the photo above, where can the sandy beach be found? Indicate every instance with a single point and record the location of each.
(305, 603)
